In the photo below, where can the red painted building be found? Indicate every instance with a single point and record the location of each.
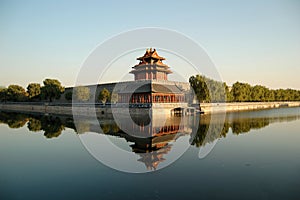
(151, 83)
(151, 67)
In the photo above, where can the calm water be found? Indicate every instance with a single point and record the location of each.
(257, 155)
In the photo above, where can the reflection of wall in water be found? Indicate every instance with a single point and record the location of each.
(156, 126)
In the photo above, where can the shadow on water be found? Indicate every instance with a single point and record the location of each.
(160, 143)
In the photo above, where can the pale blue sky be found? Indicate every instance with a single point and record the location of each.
(251, 41)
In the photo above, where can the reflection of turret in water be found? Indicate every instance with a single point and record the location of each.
(159, 132)
(154, 158)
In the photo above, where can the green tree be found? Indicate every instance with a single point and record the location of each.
(270, 95)
(34, 90)
(229, 96)
(217, 90)
(3, 95)
(208, 90)
(200, 88)
(16, 93)
(82, 93)
(258, 93)
(104, 95)
(241, 92)
(68, 96)
(52, 89)
(280, 95)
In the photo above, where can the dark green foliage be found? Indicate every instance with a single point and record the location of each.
(200, 88)
(68, 96)
(16, 93)
(3, 95)
(287, 95)
(52, 89)
(241, 92)
(229, 96)
(258, 93)
(208, 90)
(34, 90)
(269, 95)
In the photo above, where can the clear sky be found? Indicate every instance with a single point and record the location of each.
(251, 41)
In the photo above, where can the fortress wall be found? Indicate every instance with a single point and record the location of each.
(81, 111)
(158, 108)
(244, 106)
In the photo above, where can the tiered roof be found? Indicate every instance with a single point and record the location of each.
(151, 57)
(151, 62)
(151, 54)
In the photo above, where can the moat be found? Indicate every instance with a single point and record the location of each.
(42, 156)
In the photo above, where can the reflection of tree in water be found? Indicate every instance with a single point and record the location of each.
(109, 127)
(69, 122)
(82, 127)
(13, 120)
(208, 132)
(105, 127)
(205, 135)
(52, 126)
(115, 128)
(34, 125)
(246, 124)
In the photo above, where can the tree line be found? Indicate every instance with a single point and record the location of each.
(50, 90)
(206, 90)
(83, 94)
(209, 90)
